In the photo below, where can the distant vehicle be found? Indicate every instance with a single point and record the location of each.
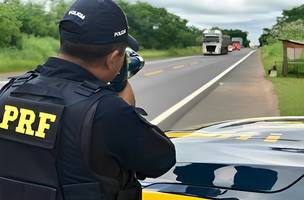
(215, 42)
(230, 48)
(238, 39)
(236, 46)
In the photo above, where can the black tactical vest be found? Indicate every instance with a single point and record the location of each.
(45, 122)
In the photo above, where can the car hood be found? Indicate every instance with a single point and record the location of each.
(266, 151)
(262, 141)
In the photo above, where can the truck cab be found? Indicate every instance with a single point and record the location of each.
(215, 42)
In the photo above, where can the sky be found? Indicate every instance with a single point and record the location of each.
(248, 15)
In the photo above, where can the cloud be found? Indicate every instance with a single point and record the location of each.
(248, 15)
(214, 7)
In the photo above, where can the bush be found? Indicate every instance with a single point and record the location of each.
(271, 54)
(35, 51)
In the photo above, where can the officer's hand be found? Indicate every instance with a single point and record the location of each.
(127, 94)
(133, 63)
(121, 80)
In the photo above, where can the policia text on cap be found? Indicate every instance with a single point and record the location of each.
(69, 129)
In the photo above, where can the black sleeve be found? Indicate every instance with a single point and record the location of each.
(136, 144)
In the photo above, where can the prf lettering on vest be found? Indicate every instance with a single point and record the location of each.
(26, 118)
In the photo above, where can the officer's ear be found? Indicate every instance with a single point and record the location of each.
(113, 61)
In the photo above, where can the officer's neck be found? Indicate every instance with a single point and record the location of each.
(93, 68)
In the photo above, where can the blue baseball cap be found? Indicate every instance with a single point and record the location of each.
(96, 22)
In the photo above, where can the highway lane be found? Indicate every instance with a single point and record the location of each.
(161, 84)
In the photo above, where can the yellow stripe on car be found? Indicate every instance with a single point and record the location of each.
(197, 135)
(244, 137)
(224, 136)
(149, 195)
(272, 138)
(178, 134)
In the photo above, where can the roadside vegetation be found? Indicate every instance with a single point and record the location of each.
(37, 49)
(29, 32)
(290, 89)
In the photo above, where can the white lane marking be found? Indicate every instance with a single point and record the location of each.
(186, 100)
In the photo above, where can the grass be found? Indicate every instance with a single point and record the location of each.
(36, 50)
(290, 89)
(290, 92)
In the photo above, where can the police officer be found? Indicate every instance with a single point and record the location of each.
(66, 132)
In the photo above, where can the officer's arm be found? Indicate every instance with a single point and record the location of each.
(156, 153)
(133, 142)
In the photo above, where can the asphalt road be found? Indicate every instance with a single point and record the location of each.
(161, 84)
(242, 93)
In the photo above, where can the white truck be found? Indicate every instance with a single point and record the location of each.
(215, 42)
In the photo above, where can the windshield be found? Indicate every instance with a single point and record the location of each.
(211, 39)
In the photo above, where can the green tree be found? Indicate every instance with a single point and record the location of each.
(10, 34)
(264, 37)
(289, 26)
(238, 33)
(292, 15)
(156, 28)
(58, 9)
(36, 20)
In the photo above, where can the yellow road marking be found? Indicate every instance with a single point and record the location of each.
(151, 195)
(194, 63)
(272, 138)
(178, 66)
(244, 137)
(154, 73)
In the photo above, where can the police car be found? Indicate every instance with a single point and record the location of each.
(246, 159)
